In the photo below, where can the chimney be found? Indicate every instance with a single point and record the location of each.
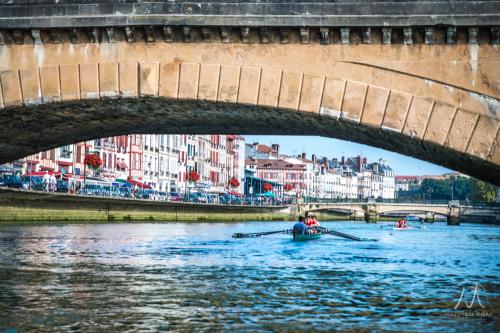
(343, 160)
(360, 166)
(276, 148)
(304, 156)
(364, 160)
(313, 157)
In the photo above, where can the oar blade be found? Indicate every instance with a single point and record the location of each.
(340, 234)
(258, 234)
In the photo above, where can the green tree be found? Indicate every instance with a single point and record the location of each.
(482, 191)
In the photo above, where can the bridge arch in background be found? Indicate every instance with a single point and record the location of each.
(59, 94)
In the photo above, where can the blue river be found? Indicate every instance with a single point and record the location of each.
(194, 277)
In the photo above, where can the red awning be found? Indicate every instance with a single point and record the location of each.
(65, 163)
(236, 194)
(32, 162)
(138, 183)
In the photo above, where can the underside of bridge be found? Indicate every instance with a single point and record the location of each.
(32, 129)
(423, 85)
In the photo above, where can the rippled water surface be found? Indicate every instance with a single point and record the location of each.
(195, 277)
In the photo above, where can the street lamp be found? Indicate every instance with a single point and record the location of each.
(181, 163)
(85, 166)
(452, 178)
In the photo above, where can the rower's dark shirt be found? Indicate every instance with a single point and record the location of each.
(300, 228)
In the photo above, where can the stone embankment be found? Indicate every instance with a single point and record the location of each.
(16, 205)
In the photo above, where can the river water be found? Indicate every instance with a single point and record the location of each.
(194, 277)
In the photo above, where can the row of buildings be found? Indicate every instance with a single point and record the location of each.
(323, 178)
(163, 162)
(160, 162)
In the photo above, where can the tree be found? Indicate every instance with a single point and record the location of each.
(482, 191)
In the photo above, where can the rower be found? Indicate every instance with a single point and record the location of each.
(300, 227)
(314, 221)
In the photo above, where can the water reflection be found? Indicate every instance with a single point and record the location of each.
(194, 276)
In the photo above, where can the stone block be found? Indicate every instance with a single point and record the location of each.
(248, 91)
(461, 130)
(49, 80)
(270, 82)
(417, 118)
(89, 81)
(108, 79)
(188, 82)
(291, 85)
(229, 84)
(30, 86)
(148, 79)
(397, 108)
(70, 82)
(169, 79)
(375, 103)
(354, 98)
(312, 91)
(11, 89)
(128, 82)
(333, 93)
(209, 82)
(1, 95)
(439, 123)
(483, 136)
(494, 155)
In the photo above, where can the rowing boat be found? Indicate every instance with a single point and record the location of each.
(400, 229)
(306, 237)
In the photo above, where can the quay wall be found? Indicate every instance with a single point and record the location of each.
(16, 205)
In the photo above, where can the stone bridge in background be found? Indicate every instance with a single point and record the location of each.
(417, 78)
(371, 211)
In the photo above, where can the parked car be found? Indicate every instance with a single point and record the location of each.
(62, 186)
(174, 196)
(229, 199)
(36, 183)
(202, 198)
(162, 196)
(12, 181)
(213, 198)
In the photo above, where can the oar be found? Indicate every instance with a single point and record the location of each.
(338, 233)
(418, 226)
(258, 234)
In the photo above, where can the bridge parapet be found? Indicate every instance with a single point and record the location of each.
(372, 210)
(247, 21)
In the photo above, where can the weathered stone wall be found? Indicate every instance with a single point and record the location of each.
(416, 77)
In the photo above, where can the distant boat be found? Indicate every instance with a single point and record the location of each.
(401, 229)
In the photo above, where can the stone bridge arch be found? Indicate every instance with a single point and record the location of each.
(357, 209)
(431, 209)
(437, 103)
